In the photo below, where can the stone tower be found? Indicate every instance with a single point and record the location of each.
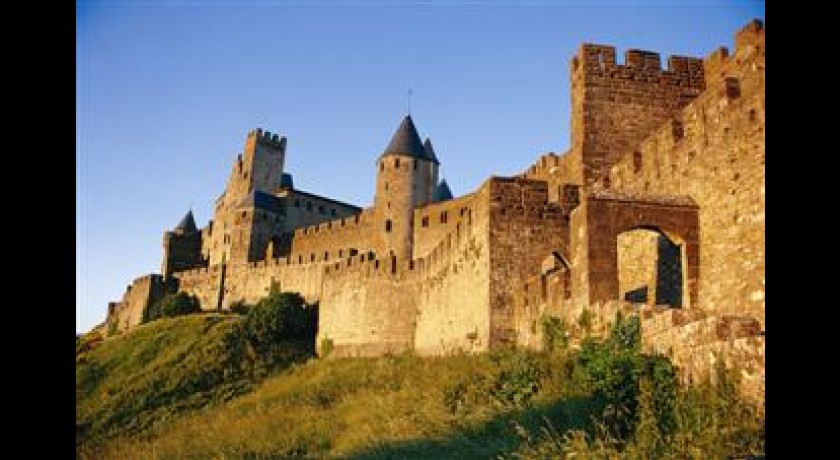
(616, 106)
(260, 167)
(406, 178)
(256, 175)
(182, 247)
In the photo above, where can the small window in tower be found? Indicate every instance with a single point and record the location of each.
(246, 174)
(297, 203)
(425, 221)
(312, 257)
(397, 163)
(300, 259)
(382, 166)
(444, 217)
(386, 186)
(414, 163)
(308, 205)
(332, 213)
(326, 255)
(320, 209)
(388, 225)
(244, 214)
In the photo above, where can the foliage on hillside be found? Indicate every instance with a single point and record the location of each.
(172, 365)
(605, 400)
(172, 305)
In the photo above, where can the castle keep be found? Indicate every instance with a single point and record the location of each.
(656, 209)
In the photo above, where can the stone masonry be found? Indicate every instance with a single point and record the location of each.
(656, 210)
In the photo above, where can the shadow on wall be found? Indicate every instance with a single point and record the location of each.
(658, 266)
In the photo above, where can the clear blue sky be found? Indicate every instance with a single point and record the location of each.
(166, 91)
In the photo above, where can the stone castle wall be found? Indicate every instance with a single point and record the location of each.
(714, 152)
(615, 106)
(433, 221)
(663, 183)
(141, 293)
(331, 240)
(306, 209)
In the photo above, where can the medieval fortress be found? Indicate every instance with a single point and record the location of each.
(656, 209)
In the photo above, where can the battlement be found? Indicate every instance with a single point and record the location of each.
(544, 165)
(748, 40)
(367, 264)
(640, 65)
(671, 149)
(350, 223)
(267, 138)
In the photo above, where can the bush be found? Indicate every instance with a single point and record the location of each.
(240, 307)
(613, 369)
(555, 336)
(519, 380)
(177, 304)
(584, 321)
(112, 328)
(278, 317)
(327, 346)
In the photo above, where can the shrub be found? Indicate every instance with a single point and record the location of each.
(555, 336)
(612, 370)
(240, 307)
(584, 320)
(519, 379)
(112, 328)
(327, 347)
(177, 304)
(280, 316)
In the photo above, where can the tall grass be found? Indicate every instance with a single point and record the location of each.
(507, 404)
(163, 369)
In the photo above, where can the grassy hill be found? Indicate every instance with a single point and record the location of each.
(187, 388)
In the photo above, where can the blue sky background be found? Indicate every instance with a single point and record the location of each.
(166, 92)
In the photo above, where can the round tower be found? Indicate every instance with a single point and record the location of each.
(406, 177)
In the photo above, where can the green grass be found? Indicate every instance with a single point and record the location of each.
(502, 405)
(161, 370)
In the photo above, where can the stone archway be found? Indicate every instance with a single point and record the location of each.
(650, 268)
(607, 215)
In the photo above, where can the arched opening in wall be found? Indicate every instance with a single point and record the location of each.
(388, 225)
(650, 268)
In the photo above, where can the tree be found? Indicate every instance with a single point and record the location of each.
(170, 305)
(279, 317)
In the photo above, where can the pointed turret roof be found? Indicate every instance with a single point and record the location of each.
(442, 192)
(430, 151)
(406, 141)
(187, 224)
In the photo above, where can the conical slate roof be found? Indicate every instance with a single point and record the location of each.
(442, 192)
(406, 141)
(430, 151)
(187, 224)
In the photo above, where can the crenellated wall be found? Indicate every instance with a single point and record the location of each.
(435, 220)
(714, 153)
(524, 228)
(658, 201)
(331, 240)
(368, 307)
(305, 209)
(139, 295)
(454, 291)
